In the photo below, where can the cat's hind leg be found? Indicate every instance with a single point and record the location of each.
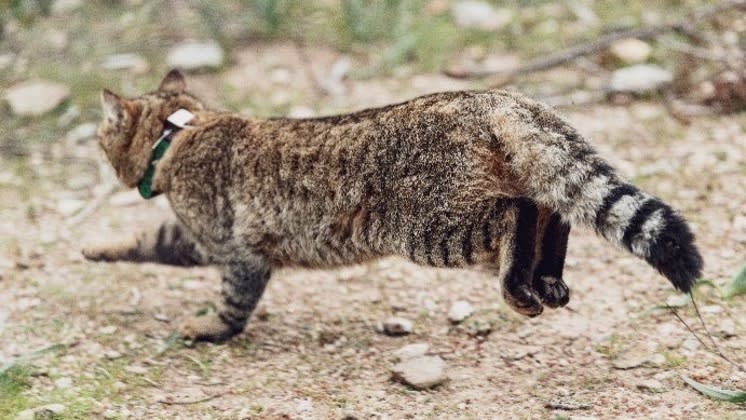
(516, 258)
(168, 244)
(242, 287)
(547, 280)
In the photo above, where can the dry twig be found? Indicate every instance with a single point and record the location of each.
(197, 401)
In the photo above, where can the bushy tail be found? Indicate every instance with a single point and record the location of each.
(561, 171)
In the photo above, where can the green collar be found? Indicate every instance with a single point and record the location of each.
(145, 186)
(174, 123)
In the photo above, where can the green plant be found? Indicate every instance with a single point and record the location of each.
(738, 397)
(737, 286)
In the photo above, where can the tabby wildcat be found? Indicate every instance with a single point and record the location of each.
(446, 180)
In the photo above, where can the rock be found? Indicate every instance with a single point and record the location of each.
(81, 133)
(196, 55)
(108, 330)
(421, 372)
(6, 60)
(411, 350)
(42, 412)
(567, 403)
(460, 310)
(112, 354)
(651, 385)
(397, 326)
(69, 206)
(35, 98)
(300, 111)
(629, 361)
(65, 6)
(57, 39)
(631, 50)
(132, 62)
(520, 352)
(63, 382)
(480, 15)
(657, 360)
(640, 78)
(281, 76)
(110, 414)
(727, 328)
(137, 370)
(332, 83)
(690, 344)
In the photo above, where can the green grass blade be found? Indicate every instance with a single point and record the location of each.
(737, 286)
(738, 397)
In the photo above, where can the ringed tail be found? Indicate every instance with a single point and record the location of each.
(561, 171)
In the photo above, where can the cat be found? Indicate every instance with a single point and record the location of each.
(446, 180)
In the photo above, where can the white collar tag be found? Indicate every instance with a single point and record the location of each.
(180, 118)
(174, 122)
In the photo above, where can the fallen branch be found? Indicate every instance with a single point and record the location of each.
(598, 45)
(703, 53)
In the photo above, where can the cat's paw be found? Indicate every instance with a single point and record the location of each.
(98, 253)
(553, 291)
(523, 300)
(207, 328)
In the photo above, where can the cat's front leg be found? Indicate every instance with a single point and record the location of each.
(242, 287)
(169, 244)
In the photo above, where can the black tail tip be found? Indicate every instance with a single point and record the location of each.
(674, 254)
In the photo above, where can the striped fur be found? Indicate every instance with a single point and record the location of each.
(447, 180)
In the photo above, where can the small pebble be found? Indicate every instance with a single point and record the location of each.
(397, 326)
(421, 372)
(651, 385)
(690, 344)
(63, 382)
(42, 412)
(460, 310)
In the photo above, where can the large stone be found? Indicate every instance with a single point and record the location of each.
(411, 350)
(81, 133)
(130, 62)
(640, 78)
(36, 97)
(480, 15)
(421, 372)
(6, 60)
(65, 6)
(195, 55)
(631, 50)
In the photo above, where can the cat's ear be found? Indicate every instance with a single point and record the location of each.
(173, 82)
(112, 105)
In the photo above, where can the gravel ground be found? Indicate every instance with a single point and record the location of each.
(313, 349)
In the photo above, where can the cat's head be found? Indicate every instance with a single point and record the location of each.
(130, 127)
